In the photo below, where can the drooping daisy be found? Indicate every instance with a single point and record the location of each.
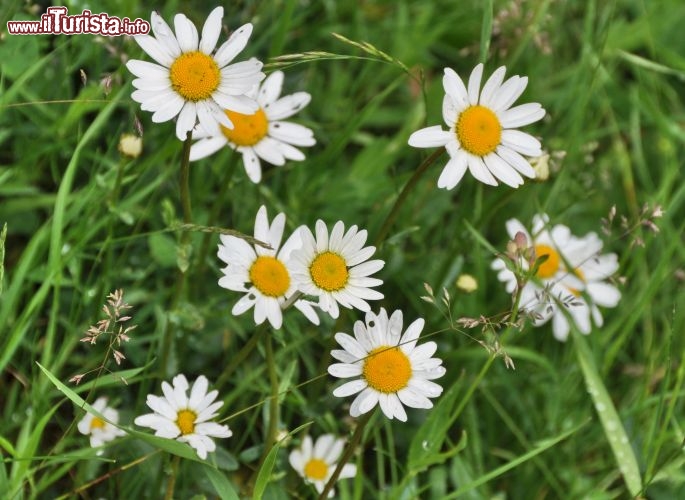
(266, 271)
(99, 430)
(192, 81)
(316, 462)
(177, 416)
(391, 369)
(572, 270)
(261, 134)
(482, 131)
(336, 268)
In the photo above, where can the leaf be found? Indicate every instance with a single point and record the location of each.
(162, 249)
(424, 449)
(3, 237)
(221, 483)
(613, 427)
(268, 465)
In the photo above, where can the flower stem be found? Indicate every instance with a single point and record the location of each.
(274, 409)
(390, 219)
(347, 454)
(185, 180)
(172, 478)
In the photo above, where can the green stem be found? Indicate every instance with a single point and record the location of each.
(183, 243)
(172, 478)
(274, 409)
(347, 454)
(394, 212)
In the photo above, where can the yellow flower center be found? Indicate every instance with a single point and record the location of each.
(329, 272)
(247, 130)
(270, 276)
(97, 423)
(186, 421)
(387, 369)
(316, 469)
(195, 76)
(478, 130)
(549, 267)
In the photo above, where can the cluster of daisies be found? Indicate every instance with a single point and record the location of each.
(218, 102)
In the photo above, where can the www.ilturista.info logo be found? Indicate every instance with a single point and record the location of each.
(56, 21)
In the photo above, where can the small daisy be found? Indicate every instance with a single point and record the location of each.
(177, 416)
(100, 431)
(317, 462)
(261, 134)
(268, 272)
(336, 268)
(482, 131)
(192, 81)
(392, 370)
(554, 280)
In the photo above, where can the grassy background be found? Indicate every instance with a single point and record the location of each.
(611, 77)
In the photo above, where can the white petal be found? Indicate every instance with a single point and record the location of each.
(508, 93)
(430, 137)
(479, 171)
(234, 45)
(287, 106)
(154, 49)
(516, 160)
(186, 120)
(519, 116)
(186, 33)
(523, 143)
(292, 133)
(252, 165)
(351, 345)
(345, 370)
(271, 88)
(164, 35)
(474, 83)
(245, 303)
(492, 86)
(454, 171)
(604, 294)
(455, 88)
(207, 147)
(211, 30)
(500, 169)
(268, 150)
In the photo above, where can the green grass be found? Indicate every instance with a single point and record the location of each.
(597, 417)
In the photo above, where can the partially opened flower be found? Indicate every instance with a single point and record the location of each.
(388, 368)
(482, 133)
(336, 268)
(99, 430)
(178, 416)
(262, 134)
(192, 81)
(263, 274)
(316, 462)
(572, 271)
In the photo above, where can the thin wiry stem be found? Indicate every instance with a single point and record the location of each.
(347, 454)
(390, 219)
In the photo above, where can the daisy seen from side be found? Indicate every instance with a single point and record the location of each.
(335, 267)
(262, 134)
(100, 431)
(482, 130)
(186, 418)
(189, 79)
(316, 461)
(264, 275)
(388, 368)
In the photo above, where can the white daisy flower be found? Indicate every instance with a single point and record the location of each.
(177, 416)
(99, 430)
(336, 268)
(316, 462)
(261, 134)
(268, 272)
(192, 81)
(482, 131)
(391, 369)
(557, 283)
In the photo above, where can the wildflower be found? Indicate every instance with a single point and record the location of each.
(192, 81)
(336, 268)
(261, 134)
(392, 370)
(482, 131)
(130, 145)
(317, 462)
(100, 430)
(268, 271)
(572, 271)
(177, 416)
